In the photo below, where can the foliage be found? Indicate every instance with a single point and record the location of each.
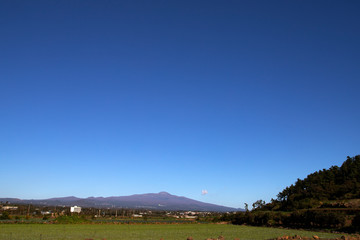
(315, 219)
(321, 200)
(71, 219)
(296, 219)
(335, 183)
(148, 231)
(5, 216)
(258, 204)
(356, 222)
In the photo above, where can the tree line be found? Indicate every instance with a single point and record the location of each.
(326, 199)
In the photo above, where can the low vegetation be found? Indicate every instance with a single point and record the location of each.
(148, 232)
(70, 219)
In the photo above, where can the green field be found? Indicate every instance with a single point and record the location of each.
(144, 232)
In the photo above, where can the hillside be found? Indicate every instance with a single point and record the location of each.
(327, 186)
(326, 199)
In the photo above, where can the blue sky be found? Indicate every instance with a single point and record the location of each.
(239, 98)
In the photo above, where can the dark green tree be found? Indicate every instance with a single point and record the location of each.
(258, 204)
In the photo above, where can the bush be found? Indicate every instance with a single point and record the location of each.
(356, 222)
(70, 219)
(5, 216)
(310, 219)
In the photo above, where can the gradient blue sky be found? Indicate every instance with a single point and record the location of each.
(110, 98)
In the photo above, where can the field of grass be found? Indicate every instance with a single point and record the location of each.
(142, 232)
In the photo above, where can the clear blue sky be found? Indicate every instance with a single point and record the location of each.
(239, 98)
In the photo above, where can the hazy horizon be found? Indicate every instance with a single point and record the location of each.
(222, 102)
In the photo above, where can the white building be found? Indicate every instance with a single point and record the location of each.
(9, 207)
(75, 209)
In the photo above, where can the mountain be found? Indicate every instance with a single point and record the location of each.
(154, 201)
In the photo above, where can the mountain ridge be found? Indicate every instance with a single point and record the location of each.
(154, 201)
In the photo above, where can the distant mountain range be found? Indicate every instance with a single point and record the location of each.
(151, 201)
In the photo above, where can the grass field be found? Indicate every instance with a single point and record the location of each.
(143, 232)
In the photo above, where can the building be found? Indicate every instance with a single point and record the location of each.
(75, 209)
(9, 208)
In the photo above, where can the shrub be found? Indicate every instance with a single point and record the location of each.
(356, 222)
(5, 216)
(70, 219)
